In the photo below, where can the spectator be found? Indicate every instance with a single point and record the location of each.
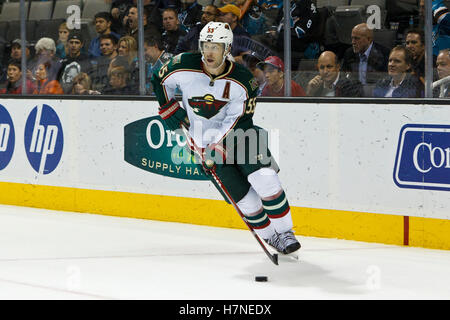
(82, 84)
(230, 14)
(108, 47)
(61, 45)
(399, 83)
(274, 73)
(119, 82)
(152, 10)
(251, 61)
(119, 10)
(254, 21)
(302, 20)
(16, 50)
(415, 43)
(13, 85)
(189, 43)
(132, 23)
(102, 22)
(155, 57)
(270, 9)
(172, 31)
(75, 62)
(127, 47)
(443, 71)
(16, 54)
(44, 83)
(331, 82)
(45, 52)
(365, 60)
(189, 14)
(441, 26)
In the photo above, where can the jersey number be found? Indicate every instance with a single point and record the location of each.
(251, 105)
(163, 69)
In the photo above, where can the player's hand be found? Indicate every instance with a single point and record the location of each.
(173, 114)
(213, 154)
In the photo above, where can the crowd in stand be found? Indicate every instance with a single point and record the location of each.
(108, 63)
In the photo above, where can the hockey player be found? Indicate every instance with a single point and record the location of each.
(218, 99)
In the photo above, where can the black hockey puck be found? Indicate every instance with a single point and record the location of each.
(261, 278)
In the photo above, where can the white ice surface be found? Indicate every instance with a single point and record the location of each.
(60, 255)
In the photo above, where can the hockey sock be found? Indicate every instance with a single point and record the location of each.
(279, 213)
(261, 224)
(255, 216)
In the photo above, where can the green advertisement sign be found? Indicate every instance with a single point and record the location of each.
(151, 146)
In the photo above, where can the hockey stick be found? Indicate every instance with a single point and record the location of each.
(272, 257)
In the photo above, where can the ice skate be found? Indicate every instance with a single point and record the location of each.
(289, 243)
(275, 242)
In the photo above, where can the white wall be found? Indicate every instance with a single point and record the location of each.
(331, 156)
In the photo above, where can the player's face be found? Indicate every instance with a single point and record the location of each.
(213, 54)
(13, 73)
(397, 65)
(151, 53)
(443, 64)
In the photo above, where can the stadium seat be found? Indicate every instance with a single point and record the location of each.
(14, 31)
(385, 37)
(331, 3)
(3, 29)
(11, 11)
(60, 10)
(48, 28)
(366, 3)
(91, 7)
(40, 10)
(346, 18)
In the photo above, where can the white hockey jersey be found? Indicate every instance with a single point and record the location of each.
(214, 105)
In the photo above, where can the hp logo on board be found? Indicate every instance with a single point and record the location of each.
(7, 137)
(43, 139)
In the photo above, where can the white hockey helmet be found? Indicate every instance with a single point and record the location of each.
(219, 32)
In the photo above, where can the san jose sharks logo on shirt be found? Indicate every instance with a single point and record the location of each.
(206, 106)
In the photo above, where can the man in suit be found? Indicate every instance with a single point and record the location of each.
(330, 82)
(365, 60)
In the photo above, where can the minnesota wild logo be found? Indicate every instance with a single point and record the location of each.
(206, 106)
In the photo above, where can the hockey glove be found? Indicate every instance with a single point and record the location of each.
(172, 114)
(213, 154)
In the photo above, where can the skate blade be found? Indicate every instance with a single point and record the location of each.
(290, 257)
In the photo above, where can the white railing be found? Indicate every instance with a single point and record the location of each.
(442, 83)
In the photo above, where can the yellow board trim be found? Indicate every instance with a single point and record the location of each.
(349, 225)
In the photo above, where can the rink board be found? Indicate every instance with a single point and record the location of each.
(346, 168)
